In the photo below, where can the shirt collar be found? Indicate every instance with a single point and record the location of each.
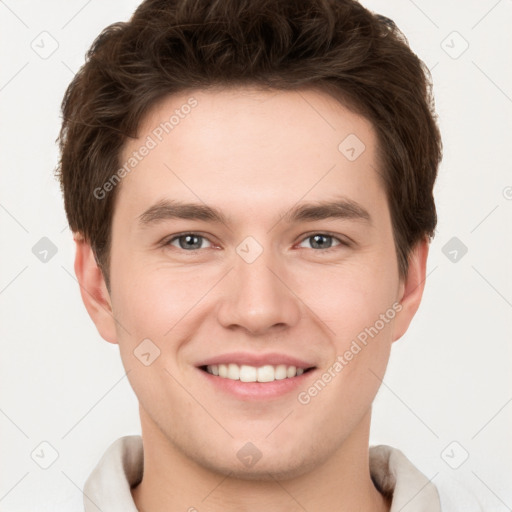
(108, 487)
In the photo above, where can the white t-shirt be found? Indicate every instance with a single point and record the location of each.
(108, 487)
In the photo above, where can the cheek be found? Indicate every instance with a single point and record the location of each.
(163, 305)
(350, 298)
(152, 300)
(358, 306)
(152, 312)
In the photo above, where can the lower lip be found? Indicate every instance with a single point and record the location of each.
(257, 390)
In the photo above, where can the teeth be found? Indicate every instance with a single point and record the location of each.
(245, 373)
(248, 373)
(266, 373)
(280, 372)
(233, 372)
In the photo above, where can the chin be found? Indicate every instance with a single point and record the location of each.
(269, 467)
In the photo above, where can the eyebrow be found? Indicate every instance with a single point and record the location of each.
(167, 209)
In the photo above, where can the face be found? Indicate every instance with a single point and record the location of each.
(252, 241)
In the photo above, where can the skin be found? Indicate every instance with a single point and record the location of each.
(253, 155)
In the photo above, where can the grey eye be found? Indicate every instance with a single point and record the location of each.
(188, 242)
(320, 241)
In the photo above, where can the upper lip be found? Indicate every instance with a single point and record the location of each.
(257, 360)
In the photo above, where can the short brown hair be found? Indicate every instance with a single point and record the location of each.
(169, 46)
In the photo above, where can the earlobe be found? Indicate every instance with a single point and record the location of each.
(411, 289)
(93, 290)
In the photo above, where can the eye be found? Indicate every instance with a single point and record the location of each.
(188, 241)
(323, 241)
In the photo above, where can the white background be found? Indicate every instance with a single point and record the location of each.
(448, 378)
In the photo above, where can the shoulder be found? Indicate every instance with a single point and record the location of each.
(120, 468)
(456, 495)
(395, 475)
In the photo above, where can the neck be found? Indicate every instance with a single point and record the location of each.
(173, 482)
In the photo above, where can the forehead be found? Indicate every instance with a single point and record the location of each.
(239, 145)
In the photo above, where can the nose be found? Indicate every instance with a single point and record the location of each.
(258, 297)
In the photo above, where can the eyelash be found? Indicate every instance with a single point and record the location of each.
(342, 242)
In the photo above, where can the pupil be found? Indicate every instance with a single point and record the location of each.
(317, 241)
(190, 241)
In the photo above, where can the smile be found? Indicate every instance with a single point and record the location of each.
(246, 373)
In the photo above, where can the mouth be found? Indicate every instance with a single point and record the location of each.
(254, 376)
(261, 374)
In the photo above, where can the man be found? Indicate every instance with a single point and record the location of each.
(250, 188)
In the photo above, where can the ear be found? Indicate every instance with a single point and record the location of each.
(411, 288)
(94, 290)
